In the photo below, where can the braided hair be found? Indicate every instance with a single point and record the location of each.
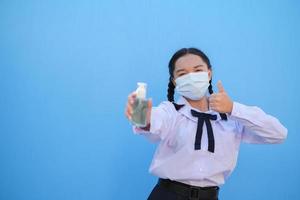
(175, 57)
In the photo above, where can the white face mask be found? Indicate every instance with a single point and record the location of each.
(192, 85)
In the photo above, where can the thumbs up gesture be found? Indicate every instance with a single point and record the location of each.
(220, 102)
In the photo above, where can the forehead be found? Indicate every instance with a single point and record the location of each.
(189, 60)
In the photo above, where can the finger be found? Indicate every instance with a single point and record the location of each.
(212, 100)
(220, 87)
(128, 115)
(128, 111)
(132, 97)
(131, 100)
(213, 104)
(149, 111)
(129, 108)
(133, 94)
(213, 108)
(149, 103)
(212, 97)
(215, 96)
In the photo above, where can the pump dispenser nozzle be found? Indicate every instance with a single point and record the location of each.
(141, 90)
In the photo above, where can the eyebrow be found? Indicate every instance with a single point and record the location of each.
(180, 70)
(200, 65)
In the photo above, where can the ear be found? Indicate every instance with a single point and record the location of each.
(209, 74)
(173, 81)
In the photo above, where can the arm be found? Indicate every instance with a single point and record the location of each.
(159, 124)
(158, 119)
(256, 126)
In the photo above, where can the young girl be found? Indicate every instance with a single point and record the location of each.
(199, 135)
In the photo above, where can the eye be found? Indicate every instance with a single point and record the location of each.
(181, 74)
(199, 70)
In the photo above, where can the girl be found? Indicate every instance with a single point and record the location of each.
(199, 135)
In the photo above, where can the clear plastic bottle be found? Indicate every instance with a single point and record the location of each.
(140, 106)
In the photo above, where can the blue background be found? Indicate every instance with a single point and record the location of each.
(66, 68)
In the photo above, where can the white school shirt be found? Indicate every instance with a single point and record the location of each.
(175, 157)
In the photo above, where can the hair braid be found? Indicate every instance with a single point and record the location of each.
(210, 90)
(171, 88)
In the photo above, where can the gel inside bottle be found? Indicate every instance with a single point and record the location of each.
(140, 106)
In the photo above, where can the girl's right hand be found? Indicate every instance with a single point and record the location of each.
(129, 108)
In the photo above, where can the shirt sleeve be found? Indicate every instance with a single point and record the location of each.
(256, 126)
(160, 122)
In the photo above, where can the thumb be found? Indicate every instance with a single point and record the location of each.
(220, 87)
(149, 111)
(150, 103)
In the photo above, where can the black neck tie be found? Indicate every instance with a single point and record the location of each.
(204, 117)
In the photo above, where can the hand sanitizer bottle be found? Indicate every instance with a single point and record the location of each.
(140, 106)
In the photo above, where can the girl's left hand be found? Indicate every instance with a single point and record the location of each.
(220, 102)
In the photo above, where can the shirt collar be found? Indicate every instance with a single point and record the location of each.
(186, 110)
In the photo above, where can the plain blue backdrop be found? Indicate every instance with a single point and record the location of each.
(66, 68)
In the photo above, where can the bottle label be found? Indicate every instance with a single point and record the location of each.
(139, 114)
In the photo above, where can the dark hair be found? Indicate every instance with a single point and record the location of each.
(175, 57)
